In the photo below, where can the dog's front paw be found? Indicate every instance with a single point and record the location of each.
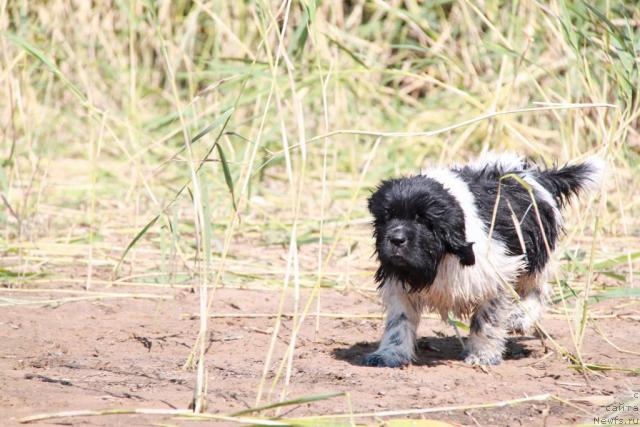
(482, 359)
(391, 360)
(519, 323)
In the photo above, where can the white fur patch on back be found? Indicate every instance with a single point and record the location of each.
(505, 161)
(513, 162)
(458, 288)
(544, 195)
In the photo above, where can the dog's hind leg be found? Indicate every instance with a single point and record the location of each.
(534, 292)
(487, 338)
(397, 346)
(526, 312)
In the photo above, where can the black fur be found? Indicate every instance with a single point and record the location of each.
(393, 322)
(419, 210)
(417, 221)
(562, 183)
(513, 196)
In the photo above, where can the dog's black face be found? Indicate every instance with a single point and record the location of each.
(416, 223)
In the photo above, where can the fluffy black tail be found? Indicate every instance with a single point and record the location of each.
(566, 181)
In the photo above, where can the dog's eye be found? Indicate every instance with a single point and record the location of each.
(423, 220)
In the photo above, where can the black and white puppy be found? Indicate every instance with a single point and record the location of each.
(444, 246)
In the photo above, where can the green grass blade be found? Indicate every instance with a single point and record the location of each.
(222, 118)
(611, 27)
(616, 293)
(42, 57)
(455, 322)
(297, 401)
(217, 122)
(133, 242)
(596, 367)
(227, 175)
(612, 262)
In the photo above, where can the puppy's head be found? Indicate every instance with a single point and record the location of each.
(416, 223)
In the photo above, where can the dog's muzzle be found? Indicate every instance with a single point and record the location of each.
(398, 237)
(398, 245)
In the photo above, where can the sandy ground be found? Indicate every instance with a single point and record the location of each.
(129, 353)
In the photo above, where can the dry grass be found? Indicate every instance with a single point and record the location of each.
(158, 144)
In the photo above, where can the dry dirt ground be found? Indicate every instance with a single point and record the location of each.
(128, 353)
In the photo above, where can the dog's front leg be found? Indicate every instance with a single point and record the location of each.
(397, 346)
(487, 338)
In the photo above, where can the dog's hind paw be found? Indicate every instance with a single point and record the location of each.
(482, 359)
(385, 359)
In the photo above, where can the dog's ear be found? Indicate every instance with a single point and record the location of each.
(378, 199)
(465, 254)
(456, 244)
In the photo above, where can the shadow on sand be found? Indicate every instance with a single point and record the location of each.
(431, 350)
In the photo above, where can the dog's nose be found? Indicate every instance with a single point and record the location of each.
(398, 237)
